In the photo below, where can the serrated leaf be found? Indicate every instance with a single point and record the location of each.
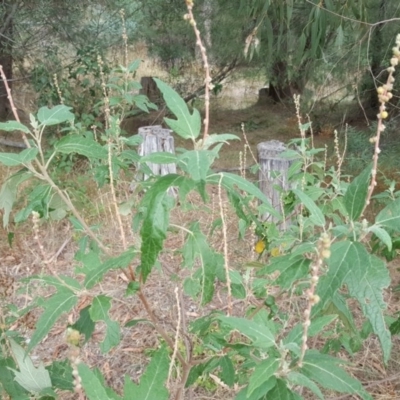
(260, 335)
(99, 312)
(262, 372)
(93, 387)
(10, 126)
(322, 369)
(94, 275)
(356, 194)
(55, 115)
(186, 125)
(152, 382)
(54, 307)
(301, 380)
(316, 215)
(389, 217)
(80, 145)
(32, 379)
(382, 235)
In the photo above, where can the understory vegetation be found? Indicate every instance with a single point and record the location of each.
(184, 268)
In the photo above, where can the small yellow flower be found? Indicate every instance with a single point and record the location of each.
(275, 252)
(260, 246)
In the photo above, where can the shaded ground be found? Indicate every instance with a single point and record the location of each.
(131, 356)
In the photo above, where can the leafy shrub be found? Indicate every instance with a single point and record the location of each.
(323, 262)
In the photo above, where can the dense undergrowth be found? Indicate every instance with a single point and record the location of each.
(328, 258)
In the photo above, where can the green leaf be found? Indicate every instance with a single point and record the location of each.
(262, 372)
(93, 387)
(99, 312)
(366, 281)
(7, 381)
(8, 194)
(61, 375)
(10, 126)
(32, 379)
(227, 371)
(94, 275)
(295, 378)
(365, 276)
(10, 159)
(186, 125)
(356, 194)
(28, 155)
(260, 335)
(322, 369)
(382, 235)
(55, 115)
(197, 163)
(236, 182)
(316, 215)
(280, 391)
(217, 138)
(85, 324)
(153, 232)
(291, 269)
(197, 250)
(162, 157)
(389, 217)
(258, 393)
(54, 307)
(317, 325)
(80, 145)
(152, 382)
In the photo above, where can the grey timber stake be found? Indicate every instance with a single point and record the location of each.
(273, 174)
(157, 139)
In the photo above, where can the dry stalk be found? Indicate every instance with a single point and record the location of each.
(226, 250)
(178, 328)
(207, 81)
(13, 108)
(324, 253)
(384, 96)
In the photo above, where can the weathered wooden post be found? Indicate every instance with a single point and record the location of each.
(273, 173)
(157, 139)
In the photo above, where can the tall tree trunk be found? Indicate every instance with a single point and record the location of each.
(7, 10)
(280, 87)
